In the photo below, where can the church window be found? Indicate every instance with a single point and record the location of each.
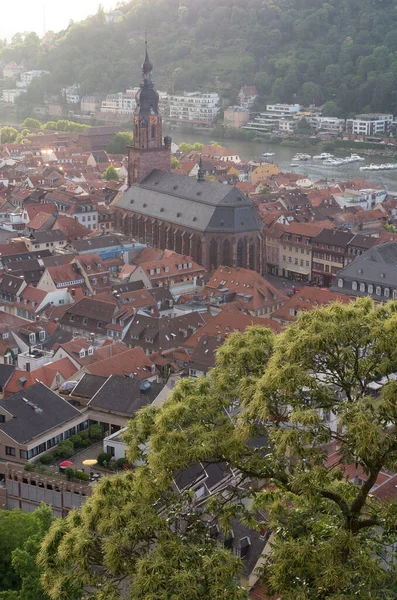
(153, 131)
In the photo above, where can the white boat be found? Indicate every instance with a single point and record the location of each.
(355, 158)
(334, 162)
(323, 156)
(383, 167)
(268, 154)
(301, 157)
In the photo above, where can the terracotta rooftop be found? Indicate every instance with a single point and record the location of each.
(305, 299)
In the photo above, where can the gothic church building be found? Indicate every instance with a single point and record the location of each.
(214, 223)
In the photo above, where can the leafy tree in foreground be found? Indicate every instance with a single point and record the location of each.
(331, 539)
(20, 538)
(110, 173)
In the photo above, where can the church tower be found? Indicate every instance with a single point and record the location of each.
(149, 151)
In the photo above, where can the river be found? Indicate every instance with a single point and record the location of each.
(315, 170)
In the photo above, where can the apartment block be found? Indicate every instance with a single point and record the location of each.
(194, 107)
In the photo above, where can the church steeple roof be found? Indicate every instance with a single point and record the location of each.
(147, 66)
(147, 98)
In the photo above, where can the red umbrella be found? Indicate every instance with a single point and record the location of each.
(66, 463)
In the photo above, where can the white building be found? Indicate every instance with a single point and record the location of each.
(119, 104)
(11, 95)
(114, 445)
(329, 124)
(369, 124)
(194, 107)
(72, 94)
(164, 104)
(28, 76)
(275, 118)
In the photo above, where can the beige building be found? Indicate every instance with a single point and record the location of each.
(90, 104)
(259, 174)
(236, 116)
(296, 250)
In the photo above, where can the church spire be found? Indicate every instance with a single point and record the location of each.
(147, 98)
(147, 68)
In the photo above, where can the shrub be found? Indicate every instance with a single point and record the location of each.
(29, 467)
(104, 459)
(47, 459)
(121, 462)
(84, 434)
(69, 472)
(81, 476)
(77, 441)
(96, 433)
(65, 449)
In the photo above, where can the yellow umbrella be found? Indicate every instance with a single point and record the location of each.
(90, 462)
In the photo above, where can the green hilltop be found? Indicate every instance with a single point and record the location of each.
(343, 52)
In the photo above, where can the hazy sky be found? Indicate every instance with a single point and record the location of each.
(28, 15)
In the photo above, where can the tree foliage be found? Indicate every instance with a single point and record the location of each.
(119, 142)
(110, 174)
(8, 135)
(20, 539)
(331, 539)
(342, 50)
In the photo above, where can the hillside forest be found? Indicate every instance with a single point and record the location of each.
(340, 52)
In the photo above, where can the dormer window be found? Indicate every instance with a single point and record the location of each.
(166, 269)
(82, 353)
(90, 351)
(42, 336)
(88, 267)
(94, 281)
(32, 338)
(5, 336)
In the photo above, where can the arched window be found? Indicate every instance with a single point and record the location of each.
(362, 287)
(227, 254)
(370, 288)
(354, 286)
(240, 253)
(213, 255)
(378, 290)
(340, 282)
(153, 131)
(387, 292)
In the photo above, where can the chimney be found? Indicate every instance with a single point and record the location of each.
(27, 367)
(73, 291)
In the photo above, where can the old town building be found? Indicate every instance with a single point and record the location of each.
(213, 223)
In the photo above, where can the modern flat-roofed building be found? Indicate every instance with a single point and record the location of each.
(369, 124)
(194, 107)
(275, 114)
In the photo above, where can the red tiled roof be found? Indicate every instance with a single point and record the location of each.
(308, 298)
(71, 228)
(225, 323)
(39, 220)
(133, 360)
(249, 286)
(46, 374)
